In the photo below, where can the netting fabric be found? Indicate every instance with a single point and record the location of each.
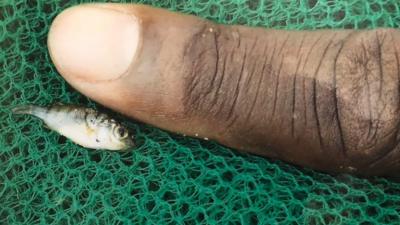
(169, 179)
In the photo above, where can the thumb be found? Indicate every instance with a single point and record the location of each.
(128, 57)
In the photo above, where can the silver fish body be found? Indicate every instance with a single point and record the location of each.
(84, 126)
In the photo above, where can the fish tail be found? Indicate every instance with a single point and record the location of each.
(23, 109)
(29, 109)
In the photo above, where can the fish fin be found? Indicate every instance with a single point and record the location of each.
(46, 126)
(59, 104)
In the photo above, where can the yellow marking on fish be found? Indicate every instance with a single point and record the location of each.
(90, 131)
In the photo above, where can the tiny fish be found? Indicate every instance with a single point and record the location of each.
(84, 126)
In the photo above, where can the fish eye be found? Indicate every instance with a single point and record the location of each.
(122, 132)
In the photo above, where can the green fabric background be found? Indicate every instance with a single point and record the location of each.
(169, 179)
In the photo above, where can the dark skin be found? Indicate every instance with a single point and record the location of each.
(327, 100)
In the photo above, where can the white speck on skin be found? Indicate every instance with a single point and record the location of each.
(351, 168)
(235, 35)
(206, 138)
(196, 135)
(211, 30)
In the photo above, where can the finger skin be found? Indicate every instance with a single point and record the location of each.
(327, 99)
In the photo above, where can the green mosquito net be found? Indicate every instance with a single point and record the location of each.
(169, 179)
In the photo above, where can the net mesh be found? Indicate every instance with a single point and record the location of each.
(169, 179)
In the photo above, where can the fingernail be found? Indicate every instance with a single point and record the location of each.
(93, 43)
